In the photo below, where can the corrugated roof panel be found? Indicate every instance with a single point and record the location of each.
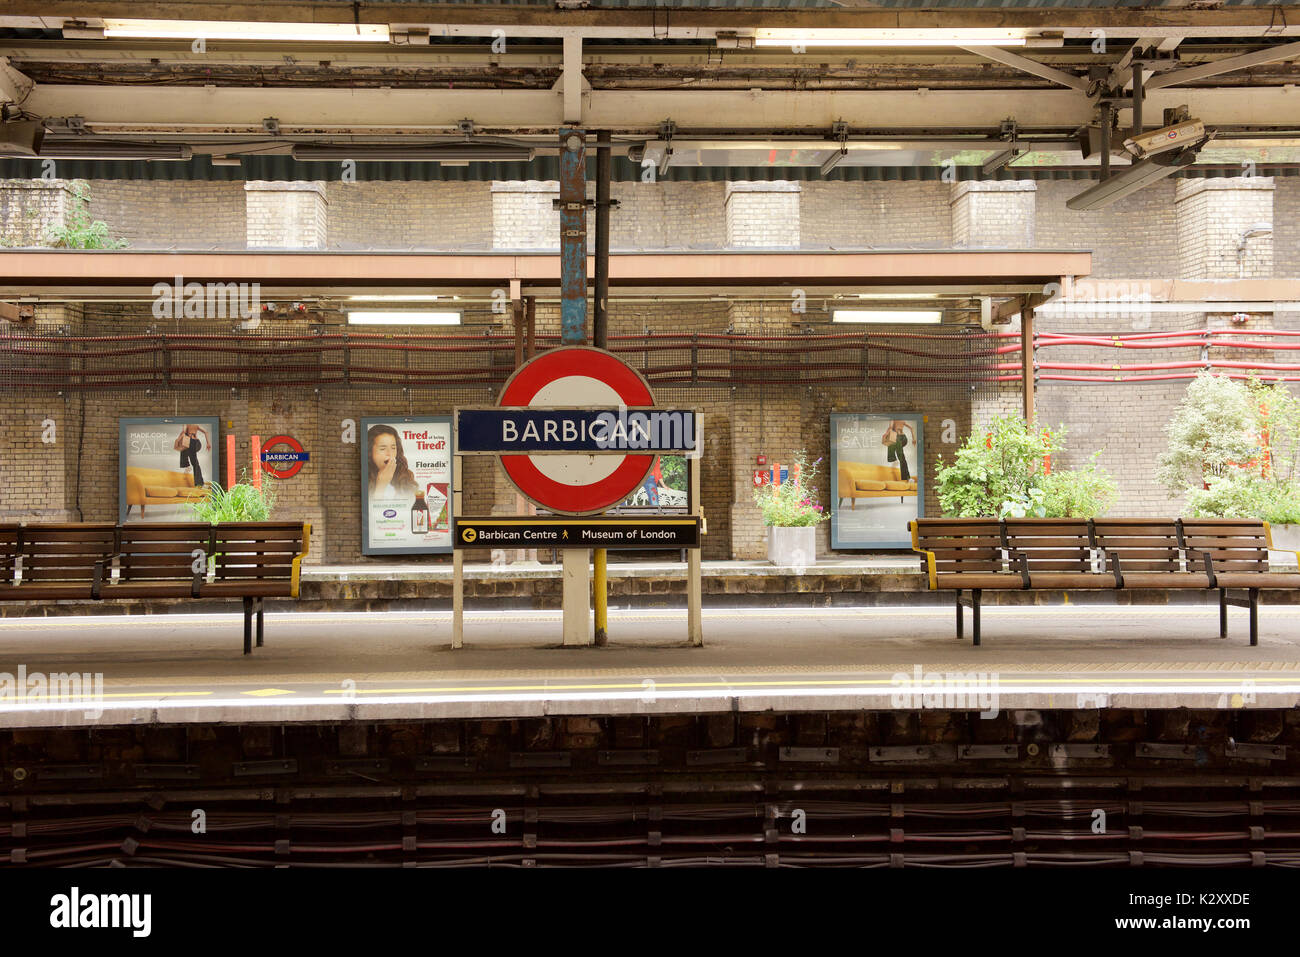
(541, 168)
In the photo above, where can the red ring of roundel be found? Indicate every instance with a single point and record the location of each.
(547, 492)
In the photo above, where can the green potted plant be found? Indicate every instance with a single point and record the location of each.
(1005, 471)
(792, 511)
(242, 502)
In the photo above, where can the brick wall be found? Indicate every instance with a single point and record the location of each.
(286, 215)
(175, 214)
(764, 215)
(450, 216)
(864, 215)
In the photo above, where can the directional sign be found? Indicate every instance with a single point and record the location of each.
(594, 431)
(570, 378)
(624, 534)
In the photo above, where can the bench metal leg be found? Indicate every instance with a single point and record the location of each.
(1254, 616)
(248, 626)
(973, 603)
(1250, 602)
(961, 619)
(260, 615)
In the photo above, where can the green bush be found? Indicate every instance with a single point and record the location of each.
(81, 232)
(240, 503)
(1218, 457)
(999, 472)
(788, 505)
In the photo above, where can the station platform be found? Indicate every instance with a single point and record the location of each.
(187, 668)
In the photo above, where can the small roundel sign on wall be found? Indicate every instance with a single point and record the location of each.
(283, 456)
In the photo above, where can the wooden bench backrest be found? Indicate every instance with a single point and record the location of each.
(1141, 544)
(8, 551)
(161, 551)
(65, 552)
(961, 544)
(1050, 544)
(1233, 544)
(261, 550)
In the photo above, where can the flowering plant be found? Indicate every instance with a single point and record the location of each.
(792, 504)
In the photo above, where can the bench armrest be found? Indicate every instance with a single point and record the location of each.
(1112, 559)
(1209, 565)
(101, 566)
(929, 556)
(297, 561)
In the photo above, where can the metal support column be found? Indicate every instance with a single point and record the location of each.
(600, 338)
(1027, 353)
(576, 593)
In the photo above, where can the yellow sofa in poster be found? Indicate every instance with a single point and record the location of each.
(861, 480)
(159, 487)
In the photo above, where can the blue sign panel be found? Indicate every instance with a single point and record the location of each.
(526, 431)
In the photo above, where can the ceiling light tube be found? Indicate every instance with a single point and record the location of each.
(86, 148)
(430, 153)
(424, 317)
(244, 30)
(888, 316)
(793, 36)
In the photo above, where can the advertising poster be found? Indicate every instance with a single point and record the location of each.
(406, 485)
(164, 464)
(664, 489)
(877, 479)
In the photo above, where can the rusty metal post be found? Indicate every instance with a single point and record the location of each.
(573, 236)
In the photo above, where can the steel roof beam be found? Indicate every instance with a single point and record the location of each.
(324, 112)
(1032, 67)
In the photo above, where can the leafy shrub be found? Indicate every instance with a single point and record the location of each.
(81, 232)
(1234, 450)
(1079, 493)
(999, 472)
(240, 503)
(790, 504)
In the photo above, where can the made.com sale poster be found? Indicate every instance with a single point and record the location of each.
(406, 485)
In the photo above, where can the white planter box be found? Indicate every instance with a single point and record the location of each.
(796, 547)
(1286, 537)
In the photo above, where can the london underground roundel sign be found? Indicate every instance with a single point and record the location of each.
(576, 377)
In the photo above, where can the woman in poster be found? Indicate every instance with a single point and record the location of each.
(390, 475)
(895, 440)
(190, 445)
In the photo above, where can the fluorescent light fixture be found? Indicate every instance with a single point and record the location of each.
(227, 161)
(1136, 177)
(90, 148)
(422, 317)
(888, 316)
(422, 297)
(244, 30)
(794, 36)
(426, 153)
(897, 295)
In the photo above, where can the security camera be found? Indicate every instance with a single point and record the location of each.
(1166, 138)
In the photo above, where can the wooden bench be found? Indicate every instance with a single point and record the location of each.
(252, 561)
(1234, 555)
(1117, 554)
